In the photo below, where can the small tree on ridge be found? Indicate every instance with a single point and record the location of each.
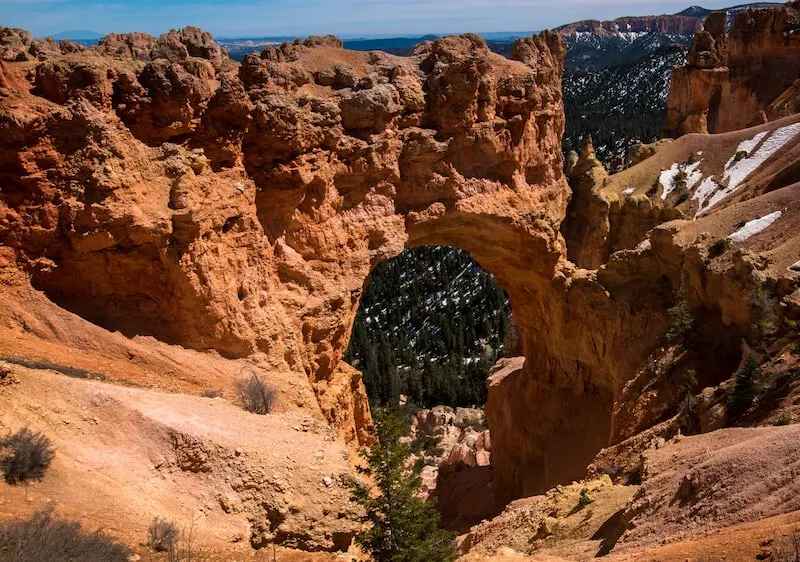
(404, 528)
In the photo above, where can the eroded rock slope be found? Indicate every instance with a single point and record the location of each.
(155, 187)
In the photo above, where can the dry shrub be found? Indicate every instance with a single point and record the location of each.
(25, 455)
(48, 538)
(162, 535)
(255, 395)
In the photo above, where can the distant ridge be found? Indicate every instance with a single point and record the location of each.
(78, 35)
(700, 12)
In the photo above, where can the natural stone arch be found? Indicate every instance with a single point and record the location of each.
(319, 163)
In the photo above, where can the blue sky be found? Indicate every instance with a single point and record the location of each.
(346, 18)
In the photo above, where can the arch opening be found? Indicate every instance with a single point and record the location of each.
(430, 326)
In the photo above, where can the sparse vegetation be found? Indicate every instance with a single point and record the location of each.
(719, 247)
(679, 180)
(48, 538)
(746, 387)
(255, 395)
(740, 155)
(764, 309)
(692, 159)
(25, 455)
(784, 419)
(45, 365)
(787, 549)
(403, 526)
(584, 498)
(681, 321)
(478, 425)
(427, 444)
(211, 393)
(162, 535)
(179, 546)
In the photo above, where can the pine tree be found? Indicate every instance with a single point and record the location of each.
(404, 527)
(745, 387)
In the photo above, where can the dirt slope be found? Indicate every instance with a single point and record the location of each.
(125, 456)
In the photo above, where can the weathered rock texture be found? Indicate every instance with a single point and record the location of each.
(597, 223)
(125, 455)
(157, 188)
(739, 80)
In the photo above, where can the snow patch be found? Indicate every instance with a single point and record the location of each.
(736, 171)
(703, 193)
(795, 268)
(753, 227)
(668, 178)
(629, 191)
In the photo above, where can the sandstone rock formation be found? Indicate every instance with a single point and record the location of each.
(731, 82)
(456, 454)
(155, 188)
(158, 189)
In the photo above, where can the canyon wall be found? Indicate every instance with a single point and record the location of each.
(155, 187)
(739, 79)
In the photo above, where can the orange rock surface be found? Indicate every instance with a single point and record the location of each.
(739, 80)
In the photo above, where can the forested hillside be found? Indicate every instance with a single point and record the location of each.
(619, 105)
(430, 325)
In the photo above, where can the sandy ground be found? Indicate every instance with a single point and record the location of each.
(125, 456)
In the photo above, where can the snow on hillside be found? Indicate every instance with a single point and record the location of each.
(754, 227)
(620, 105)
(679, 176)
(738, 169)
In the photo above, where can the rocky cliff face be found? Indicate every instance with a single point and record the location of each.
(737, 80)
(157, 188)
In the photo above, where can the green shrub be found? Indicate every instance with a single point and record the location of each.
(784, 419)
(764, 308)
(584, 499)
(403, 527)
(427, 444)
(745, 387)
(740, 155)
(25, 455)
(719, 247)
(48, 538)
(689, 383)
(679, 180)
(681, 321)
(256, 396)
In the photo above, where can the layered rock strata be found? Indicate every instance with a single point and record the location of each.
(737, 80)
(157, 188)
